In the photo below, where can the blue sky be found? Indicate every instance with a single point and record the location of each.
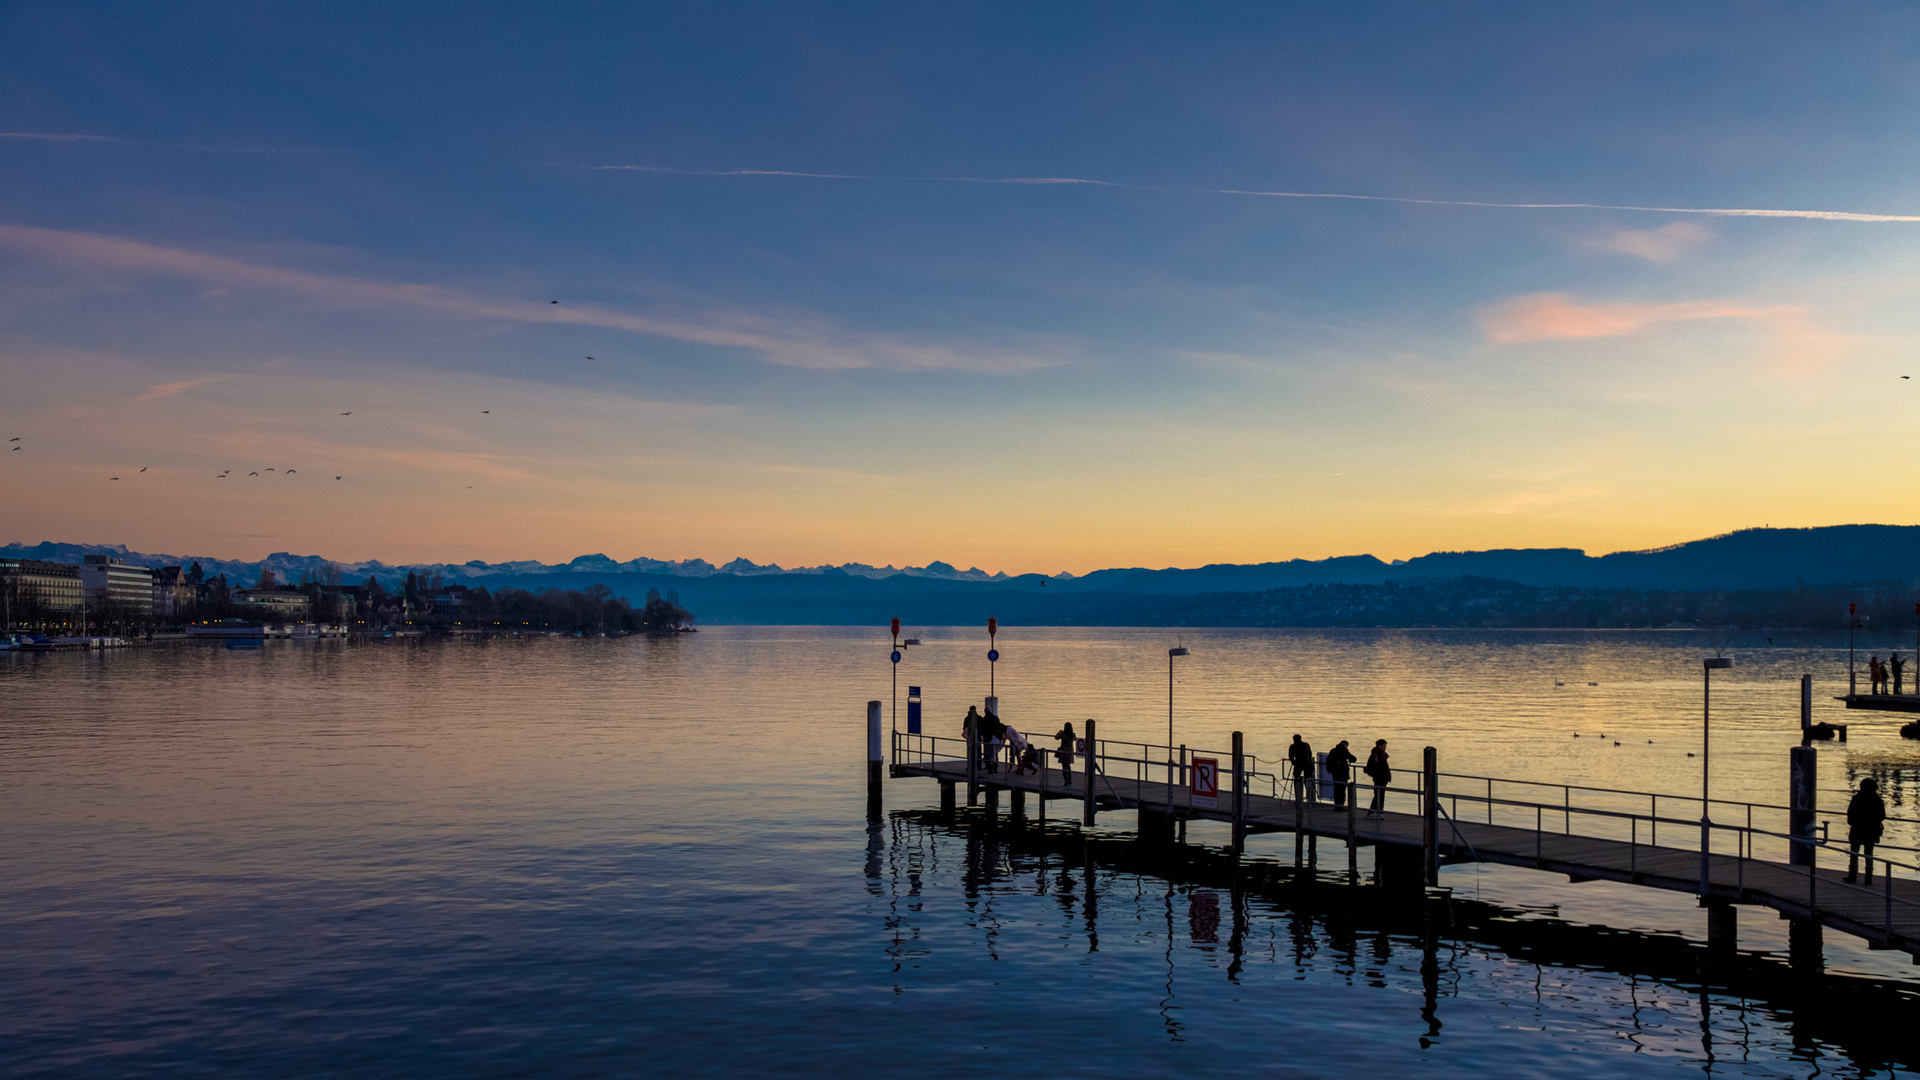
(223, 226)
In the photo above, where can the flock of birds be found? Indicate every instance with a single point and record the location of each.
(225, 473)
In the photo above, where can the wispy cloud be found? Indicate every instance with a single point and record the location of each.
(1817, 215)
(1802, 346)
(171, 389)
(1661, 245)
(794, 342)
(1556, 317)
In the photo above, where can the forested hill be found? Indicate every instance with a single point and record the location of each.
(1759, 577)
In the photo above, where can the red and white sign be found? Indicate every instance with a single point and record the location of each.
(1205, 792)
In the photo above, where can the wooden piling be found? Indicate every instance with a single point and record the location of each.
(876, 761)
(1430, 815)
(1092, 767)
(1239, 796)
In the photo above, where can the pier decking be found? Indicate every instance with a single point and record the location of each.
(1604, 836)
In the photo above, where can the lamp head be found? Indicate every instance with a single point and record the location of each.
(1716, 663)
(1178, 650)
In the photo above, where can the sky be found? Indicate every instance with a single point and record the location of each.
(1030, 287)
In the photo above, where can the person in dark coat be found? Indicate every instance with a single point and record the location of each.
(1064, 755)
(1340, 767)
(1866, 817)
(1300, 755)
(1377, 769)
(1899, 667)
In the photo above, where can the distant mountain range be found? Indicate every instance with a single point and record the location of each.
(742, 591)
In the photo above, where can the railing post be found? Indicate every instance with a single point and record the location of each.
(1887, 879)
(1239, 797)
(1430, 813)
(1802, 801)
(1092, 769)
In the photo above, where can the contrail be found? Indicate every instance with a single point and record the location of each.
(1816, 215)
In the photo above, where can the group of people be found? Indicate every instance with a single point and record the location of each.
(1878, 672)
(999, 742)
(1340, 761)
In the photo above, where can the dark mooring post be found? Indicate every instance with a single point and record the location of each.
(1430, 815)
(1806, 709)
(1239, 796)
(973, 764)
(876, 760)
(946, 801)
(1802, 770)
(1092, 767)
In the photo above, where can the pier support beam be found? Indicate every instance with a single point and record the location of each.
(1156, 827)
(1723, 928)
(1804, 944)
(1017, 802)
(947, 801)
(1398, 867)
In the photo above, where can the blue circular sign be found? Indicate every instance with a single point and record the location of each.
(896, 656)
(992, 655)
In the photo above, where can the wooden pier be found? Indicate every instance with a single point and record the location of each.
(1588, 834)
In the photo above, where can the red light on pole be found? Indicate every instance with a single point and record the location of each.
(993, 625)
(896, 628)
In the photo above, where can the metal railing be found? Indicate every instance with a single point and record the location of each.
(1610, 814)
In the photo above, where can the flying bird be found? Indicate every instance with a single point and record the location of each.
(1903, 376)
(486, 411)
(553, 301)
(269, 470)
(143, 468)
(16, 448)
(336, 478)
(113, 478)
(290, 472)
(253, 474)
(16, 438)
(219, 476)
(346, 414)
(1906, 376)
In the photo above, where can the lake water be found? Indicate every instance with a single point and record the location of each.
(631, 857)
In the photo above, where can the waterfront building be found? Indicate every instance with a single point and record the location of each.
(173, 594)
(275, 605)
(32, 590)
(114, 581)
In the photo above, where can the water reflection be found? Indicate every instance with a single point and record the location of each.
(1220, 930)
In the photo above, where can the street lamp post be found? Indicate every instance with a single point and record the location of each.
(1177, 650)
(1708, 667)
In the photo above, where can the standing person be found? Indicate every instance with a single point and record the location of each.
(996, 741)
(1378, 769)
(1300, 754)
(1064, 755)
(1340, 768)
(974, 729)
(1899, 667)
(1866, 817)
(1876, 674)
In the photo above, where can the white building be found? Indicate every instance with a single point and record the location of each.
(107, 578)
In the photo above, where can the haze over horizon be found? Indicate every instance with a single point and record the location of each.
(1028, 289)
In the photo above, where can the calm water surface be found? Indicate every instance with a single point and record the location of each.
(563, 857)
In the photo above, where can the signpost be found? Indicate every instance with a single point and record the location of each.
(896, 675)
(993, 655)
(1205, 792)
